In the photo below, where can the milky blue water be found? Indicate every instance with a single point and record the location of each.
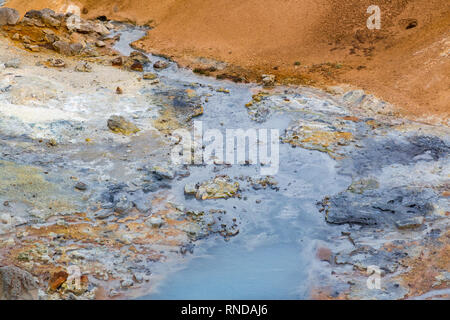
(273, 255)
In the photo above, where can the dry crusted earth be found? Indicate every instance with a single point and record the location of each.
(312, 42)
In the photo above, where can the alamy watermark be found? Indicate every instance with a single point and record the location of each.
(74, 21)
(236, 146)
(374, 280)
(374, 21)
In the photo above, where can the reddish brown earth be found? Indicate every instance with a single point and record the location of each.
(329, 38)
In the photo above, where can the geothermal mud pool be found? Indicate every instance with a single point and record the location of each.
(356, 187)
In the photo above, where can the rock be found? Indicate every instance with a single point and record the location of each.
(196, 112)
(139, 56)
(137, 66)
(119, 90)
(118, 62)
(83, 66)
(149, 76)
(56, 280)
(57, 63)
(17, 284)
(354, 97)
(26, 40)
(14, 63)
(163, 173)
(81, 186)
(155, 222)
(100, 44)
(9, 16)
(193, 230)
(220, 187)
(78, 38)
(66, 48)
(409, 223)
(268, 80)
(101, 29)
(136, 61)
(16, 37)
(190, 189)
(161, 64)
(324, 254)
(379, 208)
(32, 48)
(362, 185)
(126, 283)
(44, 17)
(119, 124)
(50, 38)
(123, 205)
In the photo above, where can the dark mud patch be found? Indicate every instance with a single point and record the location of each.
(378, 153)
(379, 207)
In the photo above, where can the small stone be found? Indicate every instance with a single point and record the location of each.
(83, 66)
(137, 66)
(14, 63)
(410, 223)
(16, 37)
(57, 63)
(81, 186)
(149, 76)
(139, 56)
(220, 187)
(119, 124)
(100, 44)
(190, 189)
(9, 16)
(155, 222)
(32, 48)
(161, 64)
(67, 49)
(268, 80)
(26, 40)
(57, 279)
(126, 283)
(163, 172)
(119, 90)
(117, 62)
(52, 143)
(123, 206)
(324, 254)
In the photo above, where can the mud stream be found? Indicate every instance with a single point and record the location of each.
(261, 244)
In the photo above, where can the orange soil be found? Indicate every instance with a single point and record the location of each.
(407, 67)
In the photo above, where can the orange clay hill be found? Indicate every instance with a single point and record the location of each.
(312, 42)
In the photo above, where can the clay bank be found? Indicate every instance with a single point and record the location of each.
(92, 205)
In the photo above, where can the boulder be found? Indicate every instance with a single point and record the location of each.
(66, 48)
(44, 17)
(17, 284)
(9, 16)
